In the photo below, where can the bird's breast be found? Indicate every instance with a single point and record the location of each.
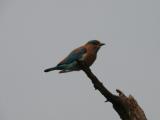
(89, 59)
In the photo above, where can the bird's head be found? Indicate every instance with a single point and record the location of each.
(95, 44)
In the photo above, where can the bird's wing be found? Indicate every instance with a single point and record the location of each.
(73, 56)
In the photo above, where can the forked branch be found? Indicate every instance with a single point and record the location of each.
(126, 107)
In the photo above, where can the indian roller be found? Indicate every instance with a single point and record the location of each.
(86, 53)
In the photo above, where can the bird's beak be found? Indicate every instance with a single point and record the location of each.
(101, 44)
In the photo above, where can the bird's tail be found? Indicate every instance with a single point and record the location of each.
(50, 69)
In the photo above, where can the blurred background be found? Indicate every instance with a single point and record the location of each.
(37, 34)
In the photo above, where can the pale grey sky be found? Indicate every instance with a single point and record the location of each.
(36, 34)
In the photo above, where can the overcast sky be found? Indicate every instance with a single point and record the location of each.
(37, 34)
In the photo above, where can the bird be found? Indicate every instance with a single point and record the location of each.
(86, 53)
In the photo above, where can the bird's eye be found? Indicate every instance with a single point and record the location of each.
(95, 43)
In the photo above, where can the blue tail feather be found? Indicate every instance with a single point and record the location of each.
(50, 69)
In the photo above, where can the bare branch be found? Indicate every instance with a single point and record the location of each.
(126, 107)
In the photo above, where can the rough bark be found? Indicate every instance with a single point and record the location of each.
(126, 107)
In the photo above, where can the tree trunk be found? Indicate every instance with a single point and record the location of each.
(126, 107)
